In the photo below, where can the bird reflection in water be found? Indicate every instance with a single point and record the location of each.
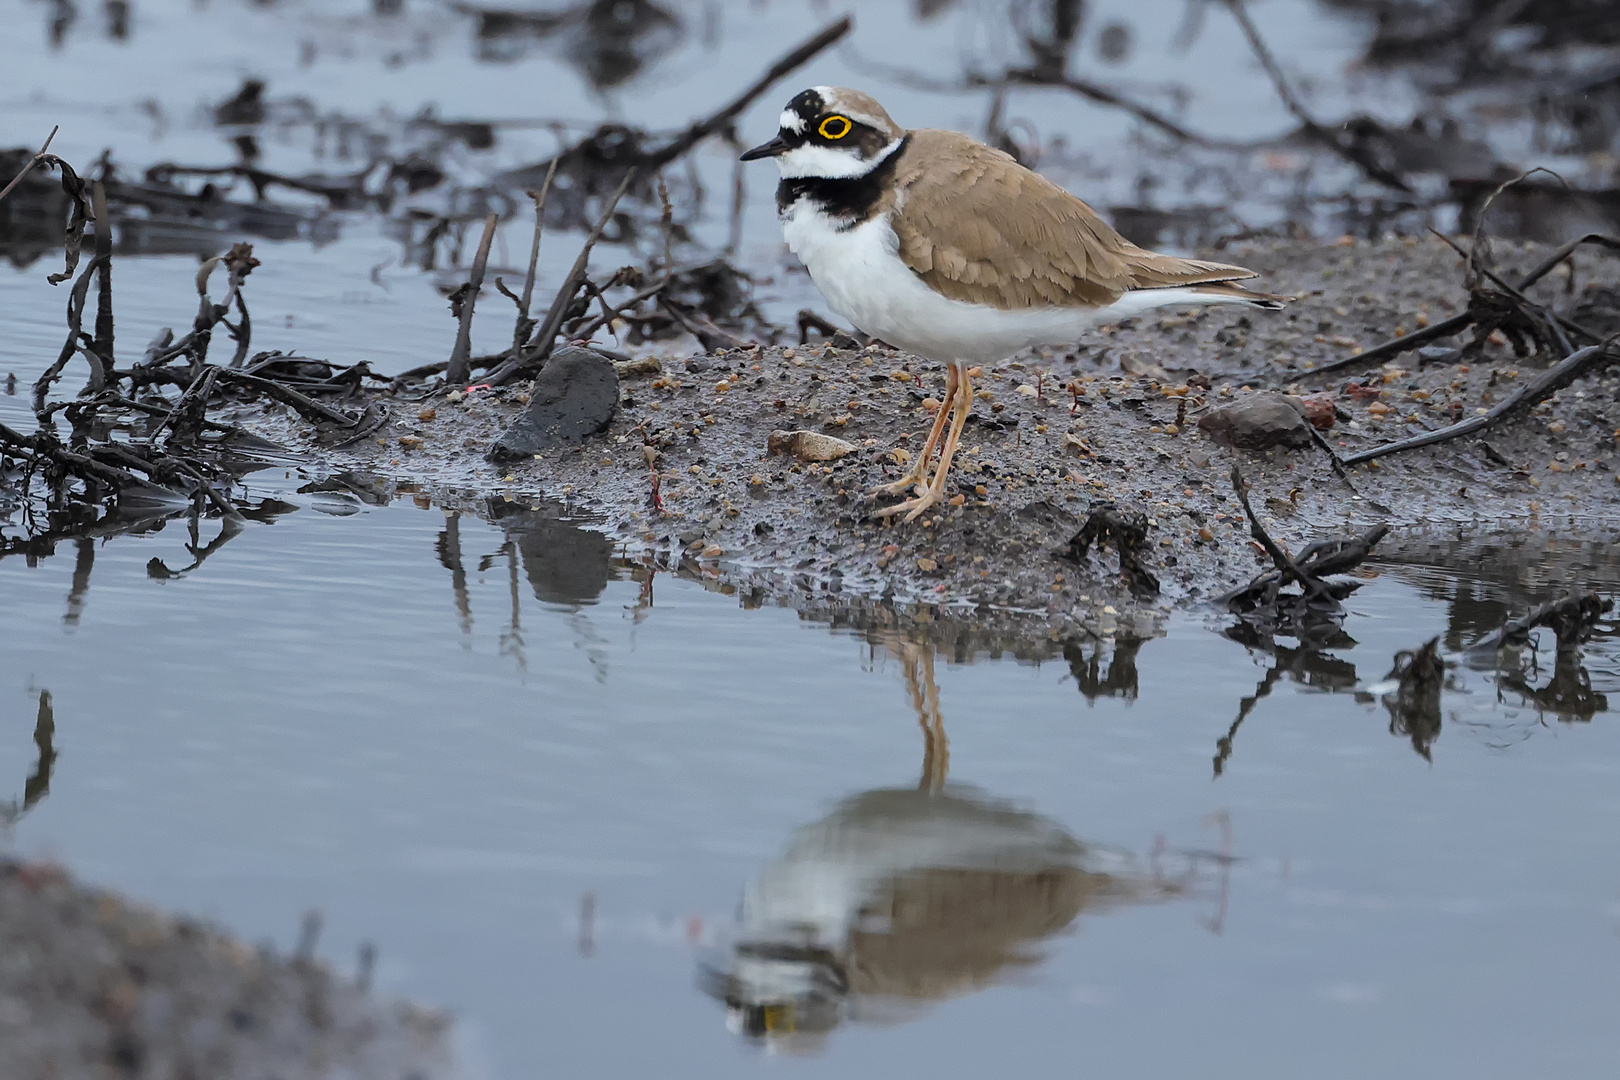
(905, 896)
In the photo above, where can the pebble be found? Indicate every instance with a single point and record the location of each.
(1258, 422)
(808, 445)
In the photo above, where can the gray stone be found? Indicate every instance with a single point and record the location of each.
(1258, 422)
(573, 398)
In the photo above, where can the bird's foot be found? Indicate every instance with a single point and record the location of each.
(914, 478)
(912, 508)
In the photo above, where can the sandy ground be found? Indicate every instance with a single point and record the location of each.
(1052, 435)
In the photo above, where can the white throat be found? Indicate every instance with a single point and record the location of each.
(826, 163)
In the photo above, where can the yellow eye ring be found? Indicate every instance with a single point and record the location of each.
(844, 127)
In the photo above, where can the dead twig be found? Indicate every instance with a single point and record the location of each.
(35, 160)
(1104, 96)
(1457, 323)
(525, 325)
(307, 407)
(700, 326)
(103, 345)
(1572, 619)
(541, 344)
(464, 300)
(1531, 394)
(75, 320)
(1126, 532)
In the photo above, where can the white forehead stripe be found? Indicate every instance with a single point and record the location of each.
(830, 101)
(791, 121)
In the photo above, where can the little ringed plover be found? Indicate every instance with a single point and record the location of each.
(946, 248)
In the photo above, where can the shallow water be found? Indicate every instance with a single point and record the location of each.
(565, 795)
(546, 797)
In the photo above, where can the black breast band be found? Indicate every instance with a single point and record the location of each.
(848, 199)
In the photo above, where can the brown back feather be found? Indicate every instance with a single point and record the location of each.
(979, 227)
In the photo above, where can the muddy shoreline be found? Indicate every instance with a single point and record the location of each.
(1052, 436)
(94, 985)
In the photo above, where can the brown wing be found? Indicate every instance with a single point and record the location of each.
(979, 227)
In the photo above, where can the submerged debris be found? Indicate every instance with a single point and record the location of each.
(1414, 705)
(1126, 532)
(1316, 606)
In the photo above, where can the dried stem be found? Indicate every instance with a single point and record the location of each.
(543, 340)
(35, 160)
(456, 373)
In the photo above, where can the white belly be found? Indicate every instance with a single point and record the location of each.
(861, 276)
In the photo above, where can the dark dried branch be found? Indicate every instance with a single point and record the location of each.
(1457, 323)
(723, 118)
(35, 160)
(525, 325)
(1572, 619)
(456, 372)
(1549, 382)
(103, 345)
(75, 321)
(1104, 96)
(540, 346)
(307, 407)
(700, 326)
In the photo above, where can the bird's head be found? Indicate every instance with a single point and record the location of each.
(831, 132)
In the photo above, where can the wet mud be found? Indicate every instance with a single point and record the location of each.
(1053, 436)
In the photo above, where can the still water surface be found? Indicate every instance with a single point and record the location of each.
(575, 807)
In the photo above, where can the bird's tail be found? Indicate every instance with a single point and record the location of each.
(1226, 292)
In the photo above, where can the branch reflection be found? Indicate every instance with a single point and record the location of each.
(38, 784)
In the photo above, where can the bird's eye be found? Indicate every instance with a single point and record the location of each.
(835, 127)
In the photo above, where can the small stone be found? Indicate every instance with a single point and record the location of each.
(428, 414)
(958, 499)
(410, 442)
(1258, 421)
(1556, 428)
(575, 396)
(1205, 535)
(927, 565)
(808, 445)
(930, 405)
(1319, 410)
(1027, 390)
